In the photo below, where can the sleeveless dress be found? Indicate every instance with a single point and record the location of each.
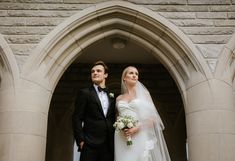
(140, 150)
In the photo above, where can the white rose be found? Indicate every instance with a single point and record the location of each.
(130, 125)
(121, 125)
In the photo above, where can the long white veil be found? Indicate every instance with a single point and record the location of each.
(150, 121)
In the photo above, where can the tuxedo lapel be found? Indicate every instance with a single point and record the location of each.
(95, 95)
(111, 101)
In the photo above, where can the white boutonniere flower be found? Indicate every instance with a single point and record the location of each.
(111, 95)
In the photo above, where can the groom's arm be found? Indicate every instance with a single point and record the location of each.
(78, 116)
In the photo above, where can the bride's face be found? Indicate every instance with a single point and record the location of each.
(131, 76)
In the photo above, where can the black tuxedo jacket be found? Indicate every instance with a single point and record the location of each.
(89, 122)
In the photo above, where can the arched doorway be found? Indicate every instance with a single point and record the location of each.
(139, 26)
(152, 73)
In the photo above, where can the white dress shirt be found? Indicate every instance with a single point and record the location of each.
(104, 100)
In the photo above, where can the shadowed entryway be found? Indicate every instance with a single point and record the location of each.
(154, 76)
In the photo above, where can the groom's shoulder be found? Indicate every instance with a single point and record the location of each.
(84, 90)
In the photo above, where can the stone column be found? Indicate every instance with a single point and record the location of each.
(23, 122)
(210, 118)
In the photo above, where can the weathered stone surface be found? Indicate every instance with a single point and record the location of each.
(23, 39)
(43, 21)
(83, 1)
(29, 13)
(212, 64)
(208, 30)
(178, 15)
(224, 23)
(210, 51)
(208, 1)
(43, 6)
(212, 15)
(22, 49)
(22, 21)
(3, 13)
(177, 8)
(210, 39)
(12, 21)
(193, 23)
(231, 15)
(159, 1)
(220, 8)
(21, 59)
(22, 30)
(40, 1)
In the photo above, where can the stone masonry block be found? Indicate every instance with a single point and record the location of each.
(208, 30)
(83, 1)
(178, 15)
(43, 6)
(24, 39)
(43, 21)
(193, 23)
(177, 8)
(224, 23)
(3, 13)
(231, 15)
(40, 1)
(21, 30)
(212, 15)
(22, 49)
(40, 13)
(208, 1)
(12, 21)
(219, 8)
(210, 39)
(159, 1)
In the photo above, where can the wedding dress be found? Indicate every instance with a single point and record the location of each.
(148, 142)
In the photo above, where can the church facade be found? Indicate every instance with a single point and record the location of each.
(193, 40)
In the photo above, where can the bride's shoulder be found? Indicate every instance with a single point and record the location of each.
(120, 97)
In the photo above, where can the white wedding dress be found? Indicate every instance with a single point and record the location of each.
(147, 143)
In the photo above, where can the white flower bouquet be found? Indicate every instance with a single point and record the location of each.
(124, 122)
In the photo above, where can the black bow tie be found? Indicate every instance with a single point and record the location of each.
(102, 89)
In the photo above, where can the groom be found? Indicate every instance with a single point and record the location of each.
(93, 118)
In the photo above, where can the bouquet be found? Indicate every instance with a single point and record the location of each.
(124, 122)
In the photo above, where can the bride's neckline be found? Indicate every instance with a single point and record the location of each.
(127, 101)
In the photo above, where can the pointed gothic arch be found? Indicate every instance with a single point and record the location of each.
(143, 26)
(225, 69)
(8, 67)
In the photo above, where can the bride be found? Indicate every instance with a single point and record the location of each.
(147, 137)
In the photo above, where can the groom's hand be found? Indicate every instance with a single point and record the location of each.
(81, 145)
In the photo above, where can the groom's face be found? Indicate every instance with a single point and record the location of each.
(98, 74)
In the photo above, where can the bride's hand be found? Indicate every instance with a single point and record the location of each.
(131, 131)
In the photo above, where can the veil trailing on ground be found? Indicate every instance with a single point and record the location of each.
(151, 123)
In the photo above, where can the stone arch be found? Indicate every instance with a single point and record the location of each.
(226, 64)
(143, 26)
(151, 31)
(225, 68)
(8, 67)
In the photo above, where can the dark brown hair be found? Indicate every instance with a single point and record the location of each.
(101, 63)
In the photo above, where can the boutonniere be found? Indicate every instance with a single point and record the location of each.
(111, 95)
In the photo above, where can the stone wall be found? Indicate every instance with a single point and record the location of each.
(208, 23)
